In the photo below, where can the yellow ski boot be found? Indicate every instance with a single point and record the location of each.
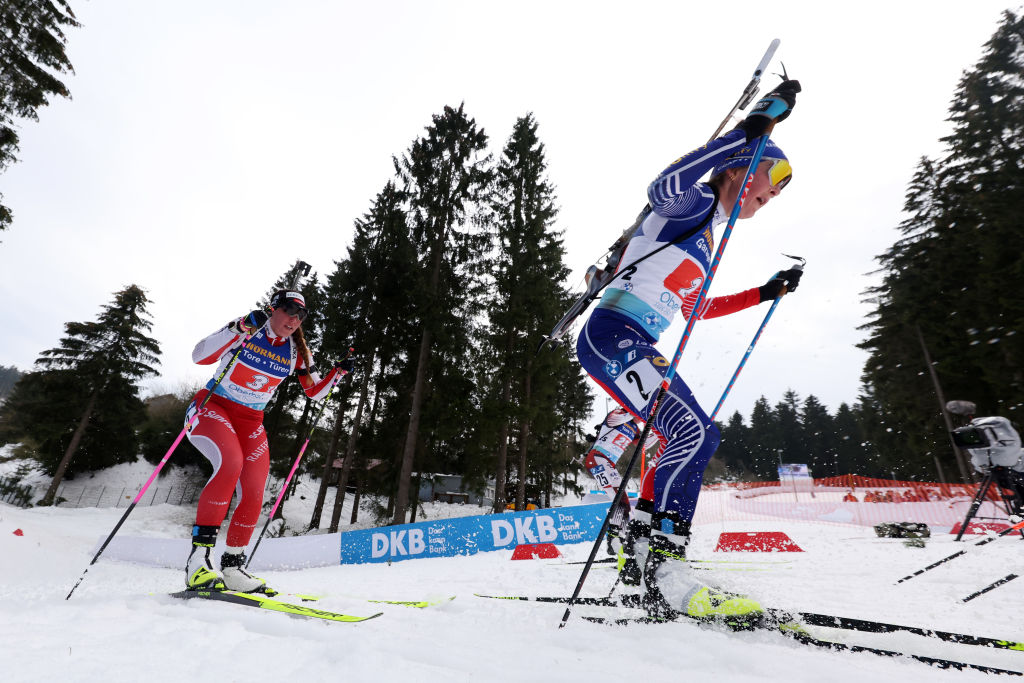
(199, 572)
(671, 591)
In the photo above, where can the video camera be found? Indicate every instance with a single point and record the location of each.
(991, 442)
(995, 450)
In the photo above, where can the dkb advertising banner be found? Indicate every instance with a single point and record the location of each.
(470, 535)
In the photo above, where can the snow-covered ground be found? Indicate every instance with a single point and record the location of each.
(120, 624)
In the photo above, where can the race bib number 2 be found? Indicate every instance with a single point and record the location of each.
(639, 383)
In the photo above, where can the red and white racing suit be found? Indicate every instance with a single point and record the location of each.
(229, 430)
(615, 434)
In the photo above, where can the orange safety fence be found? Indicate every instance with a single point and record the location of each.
(872, 489)
(848, 499)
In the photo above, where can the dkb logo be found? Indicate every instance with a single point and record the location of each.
(519, 529)
(396, 543)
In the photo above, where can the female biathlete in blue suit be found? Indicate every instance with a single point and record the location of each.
(660, 273)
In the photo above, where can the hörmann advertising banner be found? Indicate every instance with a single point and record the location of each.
(470, 535)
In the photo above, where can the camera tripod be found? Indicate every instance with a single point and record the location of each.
(993, 475)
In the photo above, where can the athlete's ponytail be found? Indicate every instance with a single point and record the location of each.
(300, 342)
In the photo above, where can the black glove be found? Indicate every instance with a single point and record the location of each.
(345, 364)
(251, 322)
(788, 279)
(770, 109)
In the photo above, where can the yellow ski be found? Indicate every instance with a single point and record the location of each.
(263, 602)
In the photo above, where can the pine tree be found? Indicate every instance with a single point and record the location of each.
(788, 428)
(850, 447)
(734, 451)
(9, 376)
(952, 279)
(985, 167)
(367, 306)
(90, 379)
(32, 44)
(445, 175)
(817, 438)
(766, 444)
(528, 270)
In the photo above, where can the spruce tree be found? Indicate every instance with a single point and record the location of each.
(87, 390)
(734, 451)
(32, 44)
(817, 438)
(951, 280)
(528, 270)
(766, 444)
(985, 166)
(445, 175)
(850, 448)
(367, 306)
(787, 425)
(9, 376)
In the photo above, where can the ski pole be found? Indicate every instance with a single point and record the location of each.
(995, 584)
(750, 349)
(670, 375)
(1015, 527)
(160, 465)
(270, 517)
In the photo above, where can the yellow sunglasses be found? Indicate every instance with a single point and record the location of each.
(780, 173)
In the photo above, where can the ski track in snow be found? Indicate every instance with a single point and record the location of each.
(120, 623)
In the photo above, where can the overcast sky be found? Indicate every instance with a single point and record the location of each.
(210, 145)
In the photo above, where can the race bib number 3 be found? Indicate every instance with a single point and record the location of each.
(244, 376)
(639, 383)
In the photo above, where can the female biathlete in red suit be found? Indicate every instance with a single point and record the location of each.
(229, 430)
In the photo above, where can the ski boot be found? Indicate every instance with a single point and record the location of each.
(613, 540)
(199, 571)
(635, 543)
(615, 533)
(232, 568)
(671, 591)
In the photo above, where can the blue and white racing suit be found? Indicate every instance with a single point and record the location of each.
(616, 345)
